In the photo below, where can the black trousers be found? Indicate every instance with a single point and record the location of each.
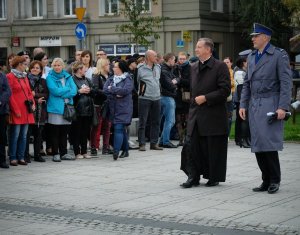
(208, 157)
(269, 165)
(59, 139)
(3, 138)
(81, 130)
(38, 138)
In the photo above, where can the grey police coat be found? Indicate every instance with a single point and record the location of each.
(267, 87)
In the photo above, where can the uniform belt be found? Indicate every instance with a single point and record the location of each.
(265, 95)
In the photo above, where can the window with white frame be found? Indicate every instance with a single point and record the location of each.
(2, 9)
(69, 7)
(109, 7)
(216, 5)
(145, 4)
(37, 8)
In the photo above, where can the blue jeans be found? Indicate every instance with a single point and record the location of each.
(168, 112)
(120, 138)
(17, 141)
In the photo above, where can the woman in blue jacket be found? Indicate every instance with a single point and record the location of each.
(62, 89)
(119, 93)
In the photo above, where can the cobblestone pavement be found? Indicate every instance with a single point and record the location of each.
(141, 195)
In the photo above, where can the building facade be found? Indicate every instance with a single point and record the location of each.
(50, 24)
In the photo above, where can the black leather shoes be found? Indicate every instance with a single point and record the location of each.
(39, 159)
(169, 145)
(190, 183)
(124, 154)
(116, 155)
(261, 188)
(273, 188)
(211, 183)
(4, 165)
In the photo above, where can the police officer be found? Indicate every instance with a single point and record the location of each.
(267, 88)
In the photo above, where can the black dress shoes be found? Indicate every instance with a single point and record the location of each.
(116, 155)
(39, 159)
(169, 145)
(273, 188)
(124, 154)
(4, 165)
(261, 188)
(190, 183)
(211, 183)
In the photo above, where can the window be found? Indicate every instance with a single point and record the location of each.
(109, 7)
(37, 8)
(145, 4)
(70, 6)
(2, 9)
(216, 5)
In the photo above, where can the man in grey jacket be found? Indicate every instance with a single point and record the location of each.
(267, 88)
(149, 100)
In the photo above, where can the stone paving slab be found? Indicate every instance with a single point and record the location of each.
(141, 195)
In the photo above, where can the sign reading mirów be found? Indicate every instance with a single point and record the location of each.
(50, 41)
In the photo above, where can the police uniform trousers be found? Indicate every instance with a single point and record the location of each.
(209, 156)
(269, 165)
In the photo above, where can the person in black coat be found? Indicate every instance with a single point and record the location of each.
(208, 122)
(5, 94)
(182, 71)
(83, 103)
(168, 83)
(40, 93)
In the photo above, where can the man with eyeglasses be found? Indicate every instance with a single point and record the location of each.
(101, 54)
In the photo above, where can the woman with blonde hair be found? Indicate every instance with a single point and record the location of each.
(62, 89)
(100, 76)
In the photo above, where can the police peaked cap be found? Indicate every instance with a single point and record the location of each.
(259, 29)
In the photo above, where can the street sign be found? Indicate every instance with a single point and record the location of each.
(80, 31)
(179, 43)
(187, 36)
(80, 13)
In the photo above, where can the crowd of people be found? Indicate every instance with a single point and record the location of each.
(193, 97)
(105, 94)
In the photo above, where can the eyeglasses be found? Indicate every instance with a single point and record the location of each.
(101, 54)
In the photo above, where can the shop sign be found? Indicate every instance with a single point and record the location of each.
(123, 49)
(15, 41)
(50, 41)
(187, 36)
(141, 49)
(109, 49)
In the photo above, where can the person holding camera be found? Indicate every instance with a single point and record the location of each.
(40, 93)
(21, 106)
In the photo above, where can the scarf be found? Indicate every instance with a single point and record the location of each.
(120, 78)
(33, 79)
(18, 73)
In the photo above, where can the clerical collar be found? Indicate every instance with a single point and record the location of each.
(205, 61)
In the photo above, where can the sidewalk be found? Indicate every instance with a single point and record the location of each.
(141, 195)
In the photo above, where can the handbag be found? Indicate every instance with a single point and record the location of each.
(69, 112)
(104, 112)
(185, 95)
(95, 117)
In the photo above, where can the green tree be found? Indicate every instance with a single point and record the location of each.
(140, 24)
(272, 13)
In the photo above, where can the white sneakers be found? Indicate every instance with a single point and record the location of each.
(296, 104)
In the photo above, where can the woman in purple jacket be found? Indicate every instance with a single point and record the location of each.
(119, 89)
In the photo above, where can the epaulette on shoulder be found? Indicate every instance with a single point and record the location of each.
(282, 51)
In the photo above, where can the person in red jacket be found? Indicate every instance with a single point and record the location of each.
(21, 104)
